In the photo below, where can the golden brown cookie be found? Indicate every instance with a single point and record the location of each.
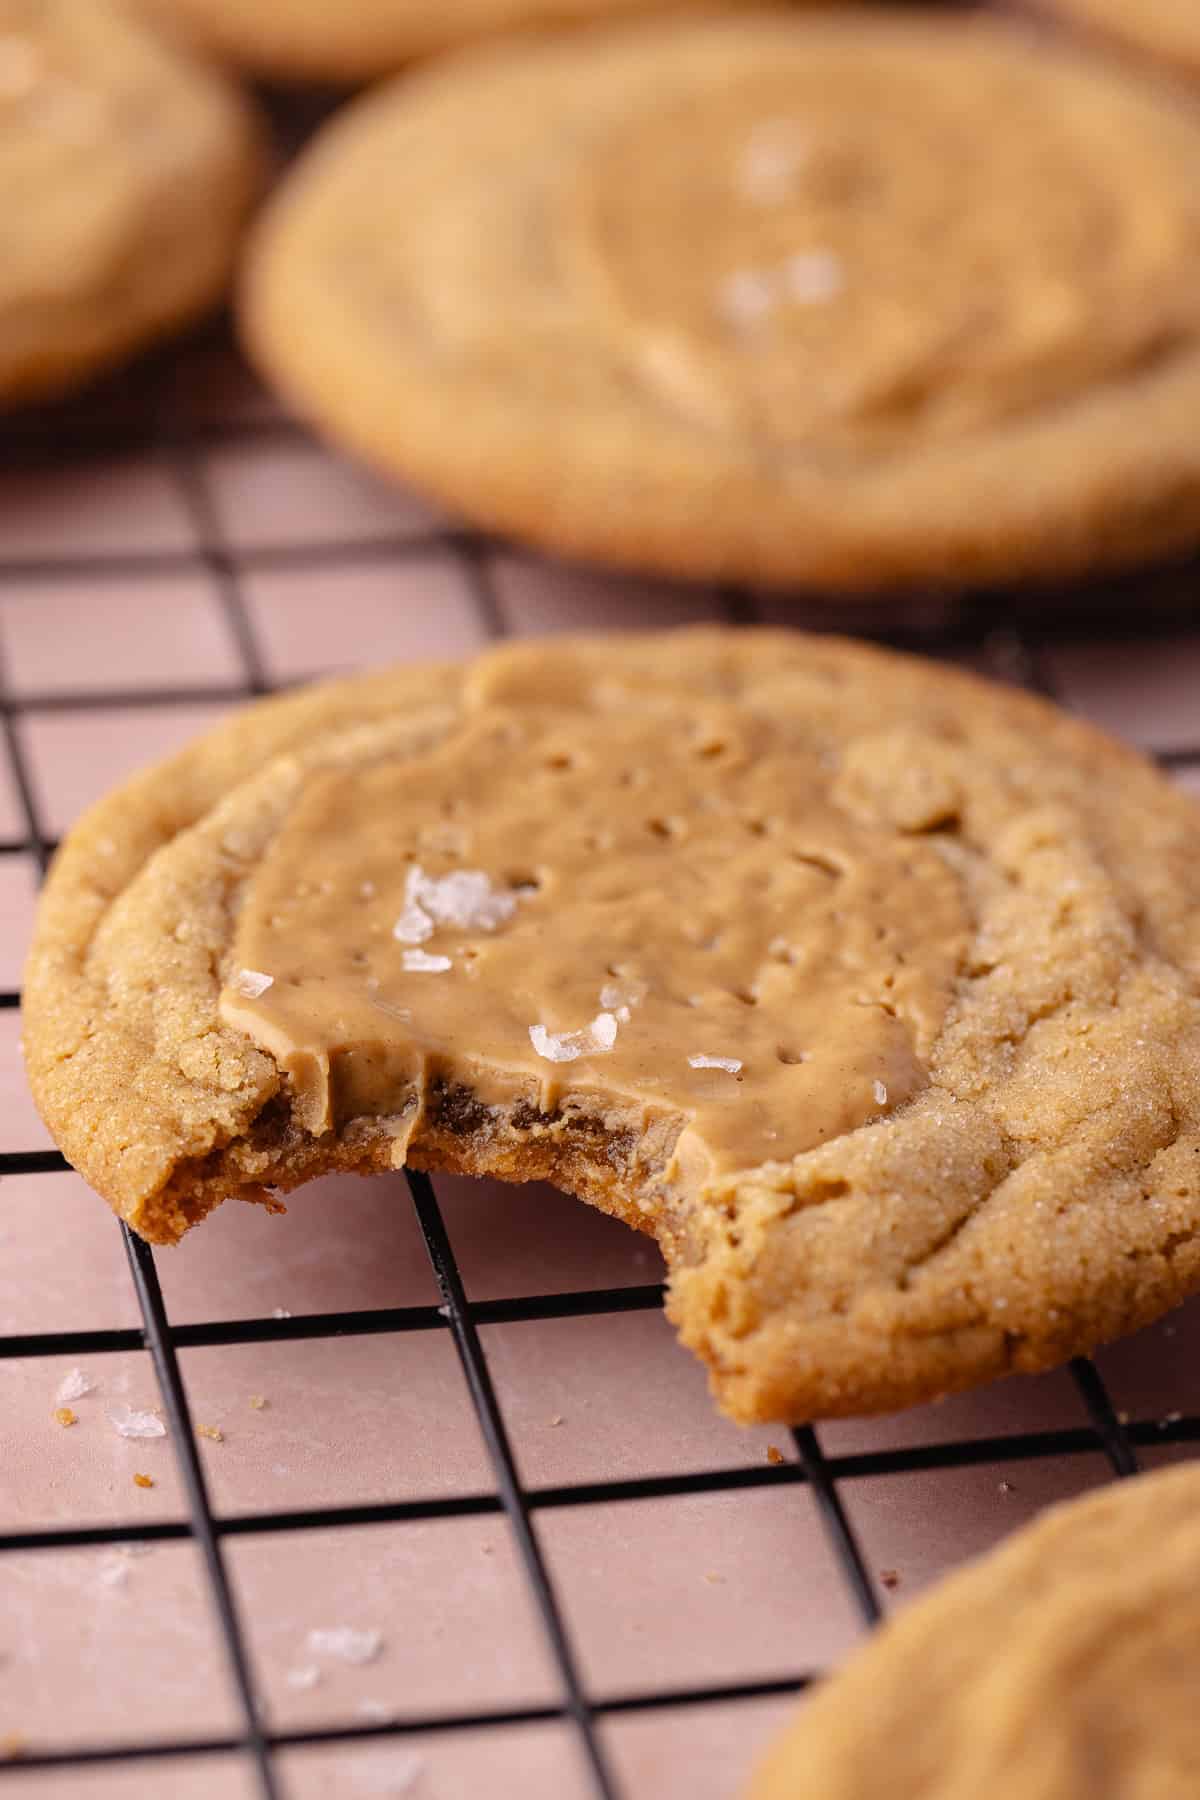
(358, 40)
(126, 171)
(1060, 1667)
(868, 988)
(744, 298)
(1168, 30)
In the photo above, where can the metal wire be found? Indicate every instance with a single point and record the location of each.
(1014, 650)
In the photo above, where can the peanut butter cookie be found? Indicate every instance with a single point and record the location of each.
(868, 988)
(126, 171)
(743, 298)
(1168, 30)
(358, 40)
(1060, 1667)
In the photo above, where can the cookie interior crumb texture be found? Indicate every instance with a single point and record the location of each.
(1060, 1667)
(869, 989)
(744, 299)
(126, 172)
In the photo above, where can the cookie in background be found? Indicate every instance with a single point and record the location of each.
(1059, 1667)
(1166, 30)
(854, 301)
(127, 170)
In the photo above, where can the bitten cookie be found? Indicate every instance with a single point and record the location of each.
(1060, 1667)
(359, 40)
(855, 301)
(868, 988)
(1168, 30)
(126, 172)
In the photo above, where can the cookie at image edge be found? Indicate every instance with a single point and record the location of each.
(126, 173)
(877, 1005)
(853, 300)
(1167, 30)
(1059, 1667)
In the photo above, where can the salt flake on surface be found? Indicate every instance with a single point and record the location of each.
(113, 1571)
(619, 997)
(280, 1312)
(73, 1386)
(420, 962)
(813, 276)
(305, 1677)
(345, 1642)
(464, 897)
(768, 165)
(130, 1423)
(746, 297)
(730, 1064)
(880, 1093)
(569, 1046)
(375, 1709)
(251, 984)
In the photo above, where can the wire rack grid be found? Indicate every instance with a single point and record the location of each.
(984, 631)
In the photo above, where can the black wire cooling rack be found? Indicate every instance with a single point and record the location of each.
(986, 630)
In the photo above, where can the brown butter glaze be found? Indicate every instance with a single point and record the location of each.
(682, 873)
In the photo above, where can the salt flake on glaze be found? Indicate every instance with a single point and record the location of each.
(251, 984)
(618, 997)
(464, 897)
(730, 1064)
(130, 1423)
(745, 298)
(767, 168)
(880, 1094)
(569, 1046)
(811, 277)
(420, 962)
(344, 1642)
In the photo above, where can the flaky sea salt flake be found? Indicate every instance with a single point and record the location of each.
(344, 1642)
(130, 1423)
(251, 984)
(569, 1046)
(813, 276)
(420, 962)
(880, 1092)
(73, 1386)
(464, 897)
(730, 1064)
(306, 1676)
(767, 167)
(745, 298)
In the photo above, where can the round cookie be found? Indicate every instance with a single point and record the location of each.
(869, 989)
(126, 172)
(744, 299)
(1168, 30)
(359, 40)
(1059, 1667)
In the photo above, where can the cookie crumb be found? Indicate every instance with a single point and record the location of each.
(257, 1402)
(1122, 1418)
(774, 1454)
(251, 984)
(211, 1431)
(66, 1415)
(13, 1745)
(713, 1579)
(890, 1578)
(557, 1419)
(143, 1481)
(1171, 1418)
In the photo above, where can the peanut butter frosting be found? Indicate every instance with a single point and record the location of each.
(870, 990)
(852, 298)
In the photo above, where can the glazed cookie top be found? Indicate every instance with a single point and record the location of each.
(112, 148)
(1058, 1667)
(758, 265)
(870, 989)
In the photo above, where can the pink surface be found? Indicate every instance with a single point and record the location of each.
(657, 1594)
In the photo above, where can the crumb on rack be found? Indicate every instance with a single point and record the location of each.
(143, 1481)
(211, 1431)
(713, 1579)
(66, 1415)
(257, 1402)
(13, 1745)
(890, 1578)
(774, 1453)
(556, 1419)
